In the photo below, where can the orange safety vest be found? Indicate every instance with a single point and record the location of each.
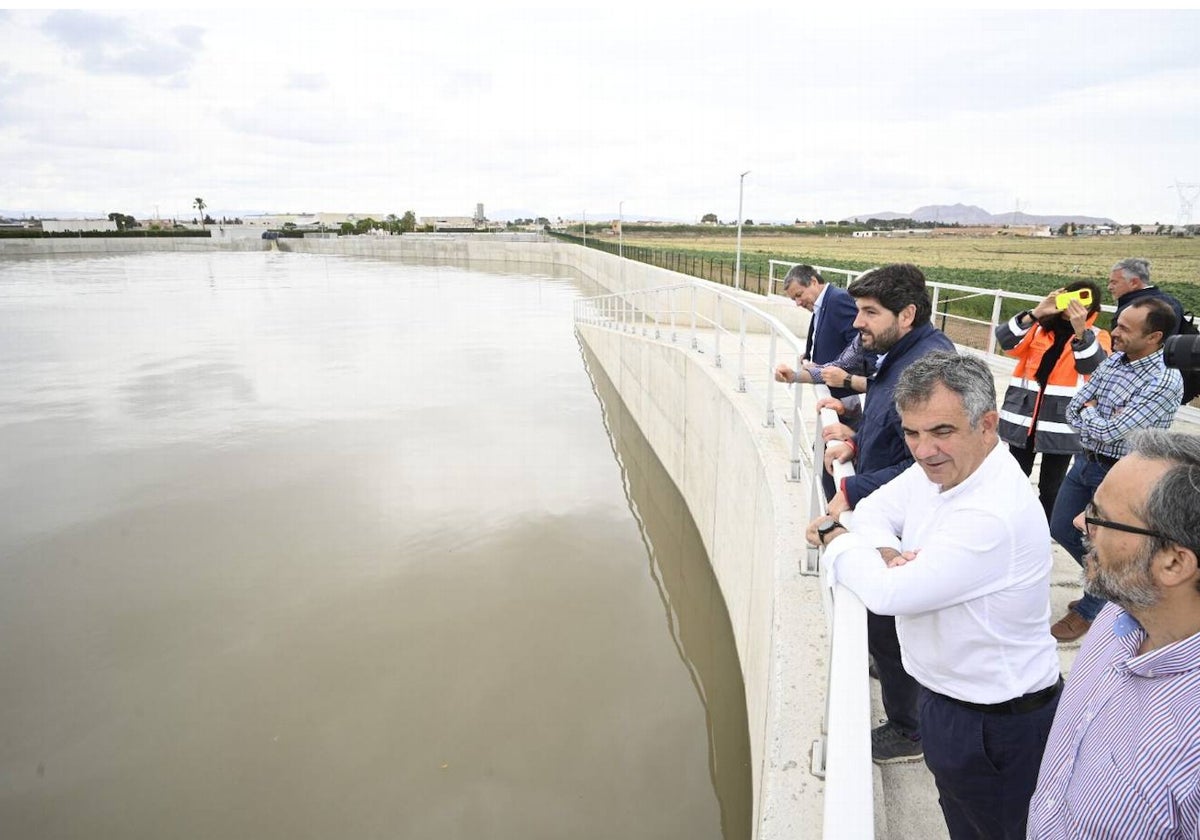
(1030, 411)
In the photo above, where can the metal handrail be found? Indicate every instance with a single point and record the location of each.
(652, 310)
(842, 756)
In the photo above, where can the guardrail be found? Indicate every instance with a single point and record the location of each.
(681, 310)
(676, 314)
(964, 327)
(842, 757)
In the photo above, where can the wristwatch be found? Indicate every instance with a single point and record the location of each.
(1021, 315)
(826, 528)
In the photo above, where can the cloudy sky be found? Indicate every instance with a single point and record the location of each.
(558, 111)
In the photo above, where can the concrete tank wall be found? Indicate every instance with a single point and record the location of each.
(607, 270)
(63, 247)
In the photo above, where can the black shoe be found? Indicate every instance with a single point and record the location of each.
(891, 746)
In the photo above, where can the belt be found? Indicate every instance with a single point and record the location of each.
(1106, 460)
(1018, 706)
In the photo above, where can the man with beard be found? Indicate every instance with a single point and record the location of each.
(1132, 389)
(1123, 757)
(893, 320)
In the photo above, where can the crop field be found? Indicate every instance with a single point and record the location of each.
(1019, 264)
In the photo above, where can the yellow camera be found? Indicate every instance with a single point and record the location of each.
(1063, 300)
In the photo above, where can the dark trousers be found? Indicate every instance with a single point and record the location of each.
(1050, 477)
(1073, 496)
(985, 765)
(900, 691)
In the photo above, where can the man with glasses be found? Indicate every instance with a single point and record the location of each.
(1131, 389)
(1123, 757)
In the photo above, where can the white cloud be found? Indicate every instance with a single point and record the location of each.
(834, 113)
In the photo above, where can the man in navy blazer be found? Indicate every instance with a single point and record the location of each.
(834, 311)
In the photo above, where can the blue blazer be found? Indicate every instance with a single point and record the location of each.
(836, 327)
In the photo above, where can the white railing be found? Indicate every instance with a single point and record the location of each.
(722, 325)
(842, 757)
(940, 294)
(693, 315)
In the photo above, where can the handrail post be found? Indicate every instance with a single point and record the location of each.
(671, 304)
(769, 421)
(741, 378)
(797, 466)
(718, 327)
(991, 339)
(695, 340)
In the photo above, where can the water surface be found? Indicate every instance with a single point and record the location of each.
(297, 546)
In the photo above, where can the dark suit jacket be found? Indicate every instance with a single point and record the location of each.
(835, 329)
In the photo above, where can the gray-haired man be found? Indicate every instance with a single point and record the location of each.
(957, 548)
(1129, 280)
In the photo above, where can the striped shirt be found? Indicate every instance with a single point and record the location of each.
(1142, 394)
(1123, 758)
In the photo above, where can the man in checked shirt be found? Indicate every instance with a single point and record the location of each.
(1123, 757)
(1132, 389)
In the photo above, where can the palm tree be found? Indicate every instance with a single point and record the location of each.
(200, 205)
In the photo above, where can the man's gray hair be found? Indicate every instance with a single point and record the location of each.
(1172, 506)
(967, 376)
(1134, 268)
(802, 274)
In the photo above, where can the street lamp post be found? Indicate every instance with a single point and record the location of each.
(584, 228)
(737, 265)
(621, 229)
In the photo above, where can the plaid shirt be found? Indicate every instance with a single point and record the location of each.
(1129, 395)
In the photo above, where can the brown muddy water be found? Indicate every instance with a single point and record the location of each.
(297, 546)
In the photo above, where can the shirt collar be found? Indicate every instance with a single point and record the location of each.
(820, 298)
(1176, 658)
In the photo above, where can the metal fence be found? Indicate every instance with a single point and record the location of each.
(710, 268)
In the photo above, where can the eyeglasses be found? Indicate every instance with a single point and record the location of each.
(1093, 522)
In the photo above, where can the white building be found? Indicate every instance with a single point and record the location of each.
(73, 225)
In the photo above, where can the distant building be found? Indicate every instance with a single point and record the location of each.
(77, 225)
(449, 224)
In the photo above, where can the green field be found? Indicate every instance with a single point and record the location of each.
(1017, 264)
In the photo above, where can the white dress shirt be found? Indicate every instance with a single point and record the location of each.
(973, 608)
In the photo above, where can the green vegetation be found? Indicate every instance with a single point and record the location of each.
(981, 260)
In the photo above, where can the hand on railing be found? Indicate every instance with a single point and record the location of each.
(837, 431)
(839, 451)
(785, 373)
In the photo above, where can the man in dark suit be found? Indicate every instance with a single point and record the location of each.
(832, 325)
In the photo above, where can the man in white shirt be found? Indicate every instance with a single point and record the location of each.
(957, 548)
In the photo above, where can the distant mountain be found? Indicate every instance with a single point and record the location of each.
(965, 214)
